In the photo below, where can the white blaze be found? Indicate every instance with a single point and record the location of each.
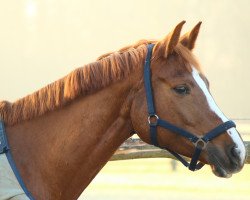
(232, 132)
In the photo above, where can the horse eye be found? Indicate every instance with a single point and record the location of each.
(182, 90)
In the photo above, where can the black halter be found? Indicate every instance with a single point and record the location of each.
(154, 121)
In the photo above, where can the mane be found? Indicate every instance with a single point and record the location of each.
(188, 56)
(109, 68)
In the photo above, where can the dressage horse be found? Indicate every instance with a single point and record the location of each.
(62, 135)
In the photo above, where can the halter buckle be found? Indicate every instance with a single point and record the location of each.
(153, 119)
(200, 143)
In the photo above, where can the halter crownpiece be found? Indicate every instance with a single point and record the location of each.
(154, 121)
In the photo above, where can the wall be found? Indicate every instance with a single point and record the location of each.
(41, 41)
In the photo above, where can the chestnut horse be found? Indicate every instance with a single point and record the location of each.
(62, 135)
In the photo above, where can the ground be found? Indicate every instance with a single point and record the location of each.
(154, 179)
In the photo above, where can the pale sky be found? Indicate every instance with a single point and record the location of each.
(43, 40)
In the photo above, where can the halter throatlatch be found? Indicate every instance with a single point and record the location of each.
(154, 121)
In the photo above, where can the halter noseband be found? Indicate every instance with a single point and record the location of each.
(154, 121)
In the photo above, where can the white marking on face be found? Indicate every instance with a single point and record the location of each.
(232, 132)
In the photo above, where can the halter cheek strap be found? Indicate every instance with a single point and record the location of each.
(154, 121)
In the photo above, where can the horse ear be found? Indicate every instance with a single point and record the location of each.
(188, 40)
(170, 41)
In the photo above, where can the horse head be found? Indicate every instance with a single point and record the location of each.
(182, 97)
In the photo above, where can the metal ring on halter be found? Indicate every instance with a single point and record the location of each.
(153, 119)
(200, 143)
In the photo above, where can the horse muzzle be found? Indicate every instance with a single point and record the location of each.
(226, 161)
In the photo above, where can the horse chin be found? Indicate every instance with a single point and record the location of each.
(219, 171)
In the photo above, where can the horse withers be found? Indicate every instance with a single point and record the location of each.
(62, 135)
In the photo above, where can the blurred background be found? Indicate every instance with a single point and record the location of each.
(43, 40)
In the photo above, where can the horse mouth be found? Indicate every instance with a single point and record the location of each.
(218, 168)
(220, 171)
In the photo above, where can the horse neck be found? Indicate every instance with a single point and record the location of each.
(59, 153)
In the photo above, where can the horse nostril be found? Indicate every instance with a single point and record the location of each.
(235, 152)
